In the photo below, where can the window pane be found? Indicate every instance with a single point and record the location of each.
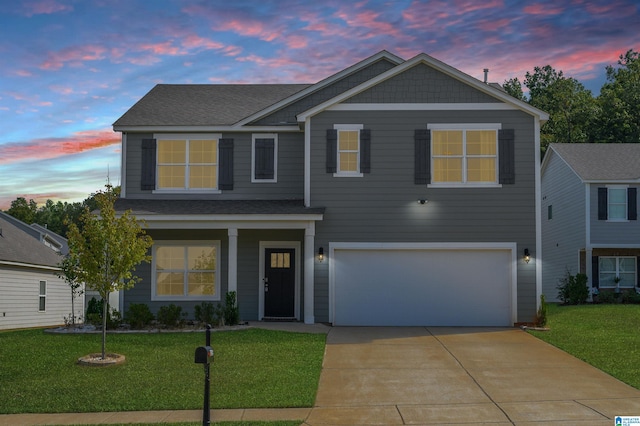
(169, 284)
(481, 142)
(202, 176)
(607, 264)
(202, 151)
(202, 258)
(172, 151)
(280, 260)
(42, 304)
(348, 140)
(201, 283)
(481, 170)
(617, 203)
(447, 169)
(43, 288)
(606, 279)
(348, 162)
(447, 142)
(617, 195)
(171, 176)
(627, 279)
(170, 258)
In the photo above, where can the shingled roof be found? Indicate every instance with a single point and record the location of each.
(204, 104)
(17, 246)
(601, 161)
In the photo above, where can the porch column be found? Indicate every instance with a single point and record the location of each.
(309, 264)
(233, 260)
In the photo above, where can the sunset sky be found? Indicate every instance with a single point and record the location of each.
(70, 68)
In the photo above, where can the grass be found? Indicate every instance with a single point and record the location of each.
(605, 336)
(252, 368)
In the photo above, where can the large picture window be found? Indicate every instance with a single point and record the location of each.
(186, 271)
(464, 156)
(187, 163)
(621, 269)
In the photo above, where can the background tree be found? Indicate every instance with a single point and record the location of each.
(23, 210)
(514, 88)
(619, 102)
(107, 250)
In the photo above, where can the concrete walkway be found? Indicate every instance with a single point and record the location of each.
(425, 376)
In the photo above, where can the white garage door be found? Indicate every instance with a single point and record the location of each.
(420, 286)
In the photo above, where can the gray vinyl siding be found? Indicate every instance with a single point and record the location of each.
(290, 175)
(564, 235)
(409, 87)
(288, 113)
(382, 206)
(248, 265)
(611, 232)
(19, 304)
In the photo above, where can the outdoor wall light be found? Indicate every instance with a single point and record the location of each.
(320, 254)
(422, 201)
(527, 256)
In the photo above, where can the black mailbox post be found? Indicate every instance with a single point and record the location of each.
(204, 355)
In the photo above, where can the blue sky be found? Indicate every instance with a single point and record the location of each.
(70, 68)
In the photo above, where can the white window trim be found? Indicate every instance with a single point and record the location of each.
(467, 127)
(617, 271)
(273, 136)
(347, 127)
(183, 298)
(42, 296)
(626, 203)
(187, 137)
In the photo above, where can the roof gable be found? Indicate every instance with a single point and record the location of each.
(17, 246)
(599, 161)
(492, 92)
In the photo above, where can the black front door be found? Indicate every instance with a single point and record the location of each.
(279, 283)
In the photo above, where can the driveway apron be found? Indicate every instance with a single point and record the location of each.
(441, 375)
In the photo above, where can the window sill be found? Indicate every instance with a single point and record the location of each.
(464, 185)
(185, 298)
(264, 181)
(348, 175)
(186, 191)
(618, 220)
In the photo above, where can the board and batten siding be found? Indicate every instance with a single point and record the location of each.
(382, 206)
(19, 303)
(290, 173)
(611, 232)
(563, 236)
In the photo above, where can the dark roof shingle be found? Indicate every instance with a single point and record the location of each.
(601, 161)
(20, 247)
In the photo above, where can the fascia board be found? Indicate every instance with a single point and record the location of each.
(440, 66)
(206, 129)
(321, 84)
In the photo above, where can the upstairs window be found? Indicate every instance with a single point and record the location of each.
(617, 203)
(464, 156)
(189, 163)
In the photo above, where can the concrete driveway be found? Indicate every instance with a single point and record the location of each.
(424, 376)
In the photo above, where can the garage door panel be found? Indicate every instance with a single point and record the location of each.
(422, 287)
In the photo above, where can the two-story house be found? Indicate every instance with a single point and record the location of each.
(391, 193)
(590, 215)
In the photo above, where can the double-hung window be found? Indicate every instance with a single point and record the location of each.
(186, 271)
(348, 149)
(464, 154)
(617, 203)
(617, 272)
(42, 299)
(187, 162)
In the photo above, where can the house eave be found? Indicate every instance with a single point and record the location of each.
(28, 265)
(226, 221)
(206, 129)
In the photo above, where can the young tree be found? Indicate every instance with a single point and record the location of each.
(107, 250)
(70, 272)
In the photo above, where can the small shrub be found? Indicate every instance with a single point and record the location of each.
(573, 290)
(205, 313)
(170, 316)
(231, 312)
(94, 314)
(631, 297)
(541, 315)
(139, 315)
(608, 297)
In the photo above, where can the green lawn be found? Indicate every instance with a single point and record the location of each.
(605, 336)
(252, 368)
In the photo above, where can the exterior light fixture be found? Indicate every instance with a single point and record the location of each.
(422, 201)
(527, 256)
(320, 254)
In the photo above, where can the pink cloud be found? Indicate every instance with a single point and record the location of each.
(542, 9)
(45, 7)
(74, 56)
(47, 148)
(23, 73)
(164, 48)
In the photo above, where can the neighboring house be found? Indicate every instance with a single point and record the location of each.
(52, 240)
(31, 293)
(590, 215)
(391, 193)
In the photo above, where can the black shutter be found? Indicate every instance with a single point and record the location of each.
(632, 204)
(365, 151)
(638, 271)
(264, 158)
(422, 143)
(602, 204)
(595, 273)
(225, 166)
(148, 166)
(506, 153)
(332, 150)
